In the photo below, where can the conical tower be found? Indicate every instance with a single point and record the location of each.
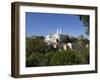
(57, 31)
(60, 30)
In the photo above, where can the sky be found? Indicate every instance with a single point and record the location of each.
(42, 24)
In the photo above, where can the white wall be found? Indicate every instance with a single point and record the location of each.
(5, 41)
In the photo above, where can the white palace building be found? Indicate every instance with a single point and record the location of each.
(53, 38)
(56, 41)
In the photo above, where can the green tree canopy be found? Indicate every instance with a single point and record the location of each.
(85, 20)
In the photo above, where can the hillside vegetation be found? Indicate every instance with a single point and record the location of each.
(39, 54)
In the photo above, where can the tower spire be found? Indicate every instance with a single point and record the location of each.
(57, 30)
(60, 30)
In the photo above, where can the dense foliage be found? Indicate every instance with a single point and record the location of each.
(85, 20)
(39, 54)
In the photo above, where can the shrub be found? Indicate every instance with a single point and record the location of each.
(85, 56)
(69, 57)
(35, 59)
(66, 58)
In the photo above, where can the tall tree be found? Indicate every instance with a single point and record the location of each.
(65, 38)
(85, 20)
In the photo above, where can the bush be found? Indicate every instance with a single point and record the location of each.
(35, 45)
(85, 56)
(48, 57)
(69, 57)
(66, 58)
(35, 59)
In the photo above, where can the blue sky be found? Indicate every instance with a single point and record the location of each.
(46, 23)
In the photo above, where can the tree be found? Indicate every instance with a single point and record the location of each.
(35, 44)
(38, 37)
(83, 41)
(73, 39)
(65, 38)
(85, 20)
